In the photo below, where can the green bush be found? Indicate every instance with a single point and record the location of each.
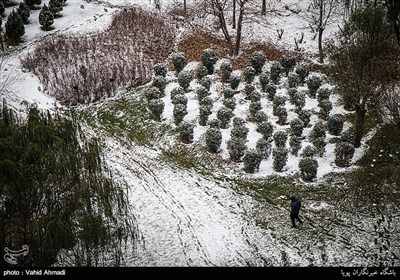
(252, 160)
(308, 168)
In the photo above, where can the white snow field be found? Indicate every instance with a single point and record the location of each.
(187, 217)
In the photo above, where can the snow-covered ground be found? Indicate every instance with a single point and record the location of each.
(189, 219)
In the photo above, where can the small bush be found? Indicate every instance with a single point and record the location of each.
(206, 101)
(271, 90)
(308, 168)
(14, 27)
(282, 115)
(343, 154)
(319, 144)
(226, 71)
(265, 129)
(309, 151)
(160, 83)
(263, 147)
(296, 127)
(264, 81)
(201, 93)
(239, 131)
(280, 156)
(236, 148)
(229, 103)
(179, 61)
(205, 112)
(234, 81)
(215, 123)
(179, 99)
(303, 71)
(160, 69)
(177, 91)
(186, 132)
(248, 89)
(184, 79)
(156, 106)
(257, 61)
(275, 72)
(293, 80)
(288, 63)
(260, 117)
(228, 93)
(313, 84)
(279, 101)
(255, 96)
(152, 93)
(323, 94)
(201, 72)
(46, 18)
(224, 115)
(209, 58)
(295, 144)
(249, 74)
(179, 113)
(319, 130)
(254, 107)
(335, 125)
(305, 117)
(213, 139)
(252, 160)
(326, 107)
(292, 94)
(24, 12)
(206, 82)
(348, 136)
(280, 139)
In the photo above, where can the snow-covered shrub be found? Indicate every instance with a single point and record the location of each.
(265, 129)
(263, 147)
(326, 107)
(209, 58)
(302, 70)
(206, 82)
(280, 138)
(313, 84)
(239, 131)
(55, 7)
(186, 132)
(296, 127)
(236, 148)
(309, 151)
(179, 113)
(270, 89)
(320, 145)
(299, 100)
(160, 83)
(260, 117)
(229, 103)
(264, 80)
(179, 99)
(206, 101)
(257, 60)
(204, 112)
(280, 156)
(254, 107)
(179, 61)
(226, 71)
(215, 123)
(323, 94)
(305, 116)
(46, 18)
(344, 152)
(282, 115)
(248, 89)
(275, 72)
(201, 72)
(254, 96)
(228, 93)
(249, 73)
(234, 81)
(160, 69)
(279, 101)
(184, 79)
(295, 144)
(213, 139)
(292, 94)
(177, 91)
(348, 136)
(237, 121)
(201, 92)
(308, 168)
(287, 62)
(335, 124)
(319, 130)
(252, 160)
(156, 106)
(152, 93)
(293, 80)
(224, 115)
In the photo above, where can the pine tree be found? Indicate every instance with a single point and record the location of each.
(14, 27)
(24, 12)
(55, 7)
(46, 18)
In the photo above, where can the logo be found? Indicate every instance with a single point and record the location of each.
(11, 256)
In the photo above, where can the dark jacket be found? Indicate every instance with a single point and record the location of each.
(295, 207)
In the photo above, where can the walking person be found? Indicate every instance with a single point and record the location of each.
(294, 210)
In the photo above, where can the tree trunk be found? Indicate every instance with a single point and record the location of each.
(239, 28)
(184, 7)
(360, 118)
(264, 7)
(320, 47)
(234, 15)
(222, 23)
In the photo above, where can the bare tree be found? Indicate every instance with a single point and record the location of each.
(241, 4)
(393, 7)
(264, 7)
(319, 13)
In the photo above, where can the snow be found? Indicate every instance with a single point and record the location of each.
(185, 218)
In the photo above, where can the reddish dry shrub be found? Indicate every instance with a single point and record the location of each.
(194, 42)
(81, 69)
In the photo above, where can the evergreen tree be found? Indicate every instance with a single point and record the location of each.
(236, 148)
(209, 58)
(33, 3)
(226, 71)
(46, 18)
(257, 61)
(213, 139)
(252, 160)
(24, 12)
(55, 7)
(14, 27)
(179, 61)
(308, 167)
